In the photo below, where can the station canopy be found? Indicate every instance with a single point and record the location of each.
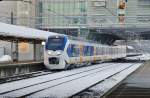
(8, 31)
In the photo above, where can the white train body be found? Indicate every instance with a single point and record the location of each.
(61, 52)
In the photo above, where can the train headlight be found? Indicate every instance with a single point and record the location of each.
(58, 52)
(49, 52)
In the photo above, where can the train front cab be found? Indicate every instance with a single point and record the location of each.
(54, 52)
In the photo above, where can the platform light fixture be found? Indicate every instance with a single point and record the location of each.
(43, 43)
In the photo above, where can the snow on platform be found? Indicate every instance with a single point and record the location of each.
(103, 87)
(5, 58)
(66, 90)
(62, 84)
(23, 32)
(28, 82)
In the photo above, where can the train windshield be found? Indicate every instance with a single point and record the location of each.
(54, 43)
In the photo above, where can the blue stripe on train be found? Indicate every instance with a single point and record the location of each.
(74, 50)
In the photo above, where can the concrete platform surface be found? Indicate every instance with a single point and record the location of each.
(136, 85)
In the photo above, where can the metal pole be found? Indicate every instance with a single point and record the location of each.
(12, 49)
(12, 22)
(12, 18)
(17, 51)
(34, 50)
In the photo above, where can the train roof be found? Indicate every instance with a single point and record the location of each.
(73, 38)
(83, 40)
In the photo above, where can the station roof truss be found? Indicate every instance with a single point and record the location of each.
(126, 33)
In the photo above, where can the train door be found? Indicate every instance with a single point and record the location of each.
(81, 53)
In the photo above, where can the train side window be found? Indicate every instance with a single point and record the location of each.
(88, 51)
(97, 49)
(85, 50)
(92, 51)
(69, 50)
(75, 50)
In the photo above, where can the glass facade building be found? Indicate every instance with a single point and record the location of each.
(75, 16)
(78, 15)
(63, 13)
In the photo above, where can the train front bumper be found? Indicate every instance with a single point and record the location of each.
(54, 63)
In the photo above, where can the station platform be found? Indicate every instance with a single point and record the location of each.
(13, 68)
(137, 85)
(20, 63)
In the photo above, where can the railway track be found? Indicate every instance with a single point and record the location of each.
(23, 76)
(40, 86)
(17, 77)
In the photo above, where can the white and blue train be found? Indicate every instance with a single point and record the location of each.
(62, 52)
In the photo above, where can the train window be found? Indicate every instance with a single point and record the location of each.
(69, 50)
(88, 50)
(73, 50)
(55, 43)
(91, 50)
(85, 50)
(97, 50)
